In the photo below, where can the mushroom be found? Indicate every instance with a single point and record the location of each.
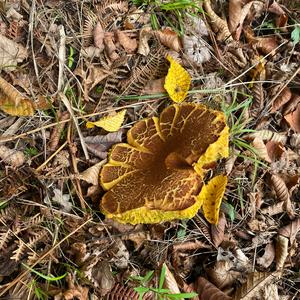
(158, 175)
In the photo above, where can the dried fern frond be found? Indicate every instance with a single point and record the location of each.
(109, 11)
(7, 214)
(88, 27)
(149, 68)
(121, 292)
(111, 88)
(258, 99)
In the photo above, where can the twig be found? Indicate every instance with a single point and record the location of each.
(69, 107)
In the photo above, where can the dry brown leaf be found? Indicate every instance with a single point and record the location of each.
(275, 209)
(290, 231)
(258, 99)
(186, 246)
(155, 86)
(169, 38)
(275, 8)
(293, 119)
(110, 47)
(291, 105)
(91, 175)
(208, 291)
(282, 99)
(281, 250)
(264, 44)
(217, 231)
(13, 102)
(219, 25)
(266, 260)
(234, 14)
(99, 36)
(129, 44)
(11, 53)
(282, 193)
(275, 150)
(223, 274)
(12, 157)
(170, 282)
(261, 149)
(238, 12)
(254, 285)
(100, 144)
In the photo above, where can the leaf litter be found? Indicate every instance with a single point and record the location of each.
(137, 57)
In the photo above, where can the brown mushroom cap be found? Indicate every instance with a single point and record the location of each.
(153, 177)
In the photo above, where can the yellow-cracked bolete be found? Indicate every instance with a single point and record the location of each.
(158, 175)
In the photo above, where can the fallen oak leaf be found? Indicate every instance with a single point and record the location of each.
(13, 102)
(110, 123)
(177, 81)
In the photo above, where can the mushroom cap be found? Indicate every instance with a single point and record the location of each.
(157, 175)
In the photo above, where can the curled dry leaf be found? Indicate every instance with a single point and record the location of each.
(261, 149)
(145, 35)
(99, 144)
(254, 285)
(217, 230)
(293, 119)
(235, 9)
(282, 99)
(281, 251)
(275, 209)
(170, 282)
(219, 25)
(282, 193)
(266, 260)
(264, 44)
(13, 102)
(11, 53)
(99, 36)
(290, 231)
(129, 44)
(91, 175)
(12, 157)
(190, 245)
(208, 291)
(169, 38)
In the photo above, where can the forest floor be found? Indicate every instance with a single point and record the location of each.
(75, 76)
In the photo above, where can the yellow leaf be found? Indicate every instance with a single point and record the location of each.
(178, 81)
(211, 197)
(109, 123)
(13, 102)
